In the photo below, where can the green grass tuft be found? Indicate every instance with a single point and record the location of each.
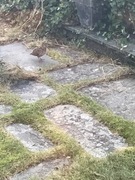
(13, 155)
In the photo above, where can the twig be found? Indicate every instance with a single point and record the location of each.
(31, 14)
(42, 13)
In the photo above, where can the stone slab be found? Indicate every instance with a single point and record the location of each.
(93, 136)
(30, 138)
(31, 91)
(118, 96)
(18, 54)
(41, 171)
(100, 45)
(5, 109)
(82, 72)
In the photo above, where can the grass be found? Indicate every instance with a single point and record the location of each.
(119, 166)
(12, 155)
(34, 116)
(15, 158)
(84, 166)
(58, 56)
(9, 99)
(6, 97)
(64, 145)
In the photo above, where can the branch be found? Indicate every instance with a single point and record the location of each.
(42, 13)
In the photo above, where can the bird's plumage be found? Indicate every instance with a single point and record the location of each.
(39, 51)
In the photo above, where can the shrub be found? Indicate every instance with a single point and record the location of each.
(119, 20)
(55, 12)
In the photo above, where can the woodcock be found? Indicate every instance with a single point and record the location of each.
(39, 51)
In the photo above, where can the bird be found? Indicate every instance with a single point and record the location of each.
(40, 51)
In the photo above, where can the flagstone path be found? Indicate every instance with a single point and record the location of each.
(93, 136)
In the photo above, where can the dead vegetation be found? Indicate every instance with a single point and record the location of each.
(10, 74)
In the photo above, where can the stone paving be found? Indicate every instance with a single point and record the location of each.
(31, 91)
(94, 137)
(29, 137)
(83, 72)
(19, 54)
(118, 96)
(5, 109)
(41, 171)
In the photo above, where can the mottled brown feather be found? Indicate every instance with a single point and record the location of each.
(39, 51)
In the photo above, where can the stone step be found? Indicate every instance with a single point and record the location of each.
(99, 44)
(93, 136)
(118, 96)
(5, 109)
(83, 72)
(31, 91)
(41, 171)
(30, 138)
(18, 54)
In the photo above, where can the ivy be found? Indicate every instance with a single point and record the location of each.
(55, 12)
(118, 19)
(121, 19)
(9, 5)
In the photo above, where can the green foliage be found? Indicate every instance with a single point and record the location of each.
(119, 166)
(12, 4)
(12, 155)
(121, 16)
(56, 12)
(120, 19)
(118, 16)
